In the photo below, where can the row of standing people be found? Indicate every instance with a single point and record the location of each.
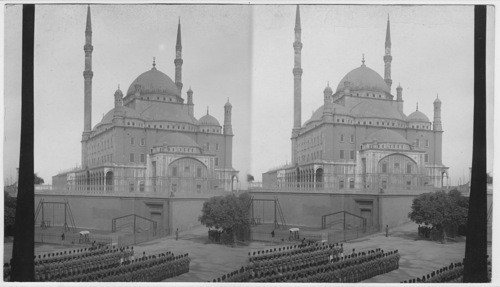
(351, 268)
(293, 250)
(151, 268)
(448, 274)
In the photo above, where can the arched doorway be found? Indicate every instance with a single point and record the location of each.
(109, 180)
(234, 182)
(319, 178)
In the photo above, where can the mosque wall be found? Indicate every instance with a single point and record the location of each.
(97, 212)
(307, 208)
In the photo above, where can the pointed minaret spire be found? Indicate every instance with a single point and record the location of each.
(87, 89)
(89, 21)
(297, 85)
(88, 74)
(297, 18)
(387, 56)
(178, 59)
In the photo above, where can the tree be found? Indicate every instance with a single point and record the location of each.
(9, 214)
(38, 180)
(250, 178)
(229, 213)
(441, 210)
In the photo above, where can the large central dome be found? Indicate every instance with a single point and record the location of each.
(364, 78)
(154, 82)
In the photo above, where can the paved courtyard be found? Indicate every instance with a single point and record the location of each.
(209, 261)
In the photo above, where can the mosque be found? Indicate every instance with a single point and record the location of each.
(360, 139)
(151, 141)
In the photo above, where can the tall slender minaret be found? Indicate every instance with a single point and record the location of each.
(178, 59)
(297, 73)
(297, 85)
(388, 57)
(87, 75)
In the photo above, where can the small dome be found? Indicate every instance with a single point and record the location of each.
(119, 93)
(228, 104)
(328, 90)
(154, 82)
(364, 78)
(386, 136)
(176, 139)
(418, 116)
(437, 100)
(208, 120)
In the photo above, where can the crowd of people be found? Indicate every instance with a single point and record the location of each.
(214, 235)
(448, 274)
(109, 264)
(313, 262)
(424, 231)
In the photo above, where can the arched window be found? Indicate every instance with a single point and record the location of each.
(384, 167)
(351, 183)
(341, 184)
(408, 168)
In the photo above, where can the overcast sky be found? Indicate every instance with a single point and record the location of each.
(244, 53)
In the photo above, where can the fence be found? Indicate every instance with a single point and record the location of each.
(71, 238)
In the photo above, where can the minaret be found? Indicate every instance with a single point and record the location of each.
(437, 115)
(178, 59)
(190, 102)
(297, 73)
(388, 57)
(399, 98)
(87, 76)
(297, 84)
(228, 138)
(327, 104)
(228, 129)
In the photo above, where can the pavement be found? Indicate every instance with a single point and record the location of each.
(209, 261)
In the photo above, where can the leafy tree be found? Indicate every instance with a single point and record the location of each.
(441, 210)
(9, 214)
(250, 178)
(38, 180)
(228, 213)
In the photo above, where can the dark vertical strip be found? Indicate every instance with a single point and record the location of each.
(475, 269)
(23, 249)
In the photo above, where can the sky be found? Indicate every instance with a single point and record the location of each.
(244, 53)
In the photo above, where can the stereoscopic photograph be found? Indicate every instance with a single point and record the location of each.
(250, 143)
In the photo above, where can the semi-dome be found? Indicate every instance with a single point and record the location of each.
(418, 116)
(364, 78)
(386, 136)
(208, 120)
(127, 113)
(318, 114)
(154, 82)
(176, 140)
